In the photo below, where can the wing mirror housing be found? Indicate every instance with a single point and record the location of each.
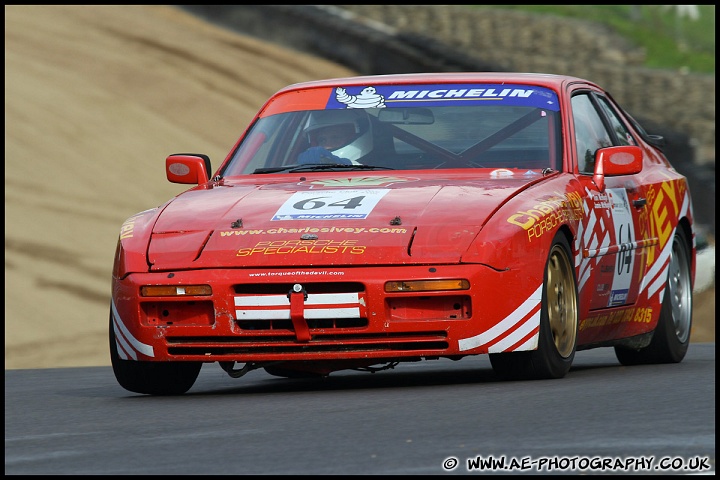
(189, 168)
(614, 161)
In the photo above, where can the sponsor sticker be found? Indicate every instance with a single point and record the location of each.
(330, 205)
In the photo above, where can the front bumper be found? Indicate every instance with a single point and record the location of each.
(335, 314)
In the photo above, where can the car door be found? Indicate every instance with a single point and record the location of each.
(615, 228)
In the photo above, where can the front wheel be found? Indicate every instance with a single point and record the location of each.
(152, 378)
(557, 338)
(671, 337)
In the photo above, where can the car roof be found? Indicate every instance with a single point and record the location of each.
(552, 81)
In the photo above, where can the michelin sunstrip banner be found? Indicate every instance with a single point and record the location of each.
(442, 95)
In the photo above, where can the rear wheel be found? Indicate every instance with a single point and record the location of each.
(671, 338)
(557, 338)
(153, 378)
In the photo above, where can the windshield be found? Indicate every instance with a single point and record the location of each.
(405, 132)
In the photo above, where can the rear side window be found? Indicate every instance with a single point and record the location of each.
(622, 132)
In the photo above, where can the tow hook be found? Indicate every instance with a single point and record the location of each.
(297, 296)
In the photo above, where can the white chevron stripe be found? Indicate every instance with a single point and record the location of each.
(506, 324)
(121, 332)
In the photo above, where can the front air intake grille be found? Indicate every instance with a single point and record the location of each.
(287, 344)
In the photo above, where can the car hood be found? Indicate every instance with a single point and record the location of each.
(329, 220)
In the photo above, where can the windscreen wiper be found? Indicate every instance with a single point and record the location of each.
(317, 167)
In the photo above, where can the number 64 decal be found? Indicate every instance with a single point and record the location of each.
(625, 255)
(319, 202)
(330, 204)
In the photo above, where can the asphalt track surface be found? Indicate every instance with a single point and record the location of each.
(414, 419)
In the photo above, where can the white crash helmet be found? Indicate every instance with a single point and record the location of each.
(358, 145)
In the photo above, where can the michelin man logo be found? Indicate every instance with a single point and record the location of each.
(368, 98)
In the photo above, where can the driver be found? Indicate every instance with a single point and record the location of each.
(337, 136)
(334, 137)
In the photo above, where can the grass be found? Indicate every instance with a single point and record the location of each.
(670, 40)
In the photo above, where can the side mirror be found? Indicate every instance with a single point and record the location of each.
(190, 168)
(613, 161)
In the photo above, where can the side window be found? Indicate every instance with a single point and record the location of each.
(623, 134)
(590, 132)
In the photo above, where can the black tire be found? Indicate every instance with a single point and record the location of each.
(558, 324)
(152, 378)
(671, 337)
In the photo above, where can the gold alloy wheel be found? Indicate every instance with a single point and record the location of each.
(561, 301)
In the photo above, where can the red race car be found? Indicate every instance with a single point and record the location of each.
(362, 222)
